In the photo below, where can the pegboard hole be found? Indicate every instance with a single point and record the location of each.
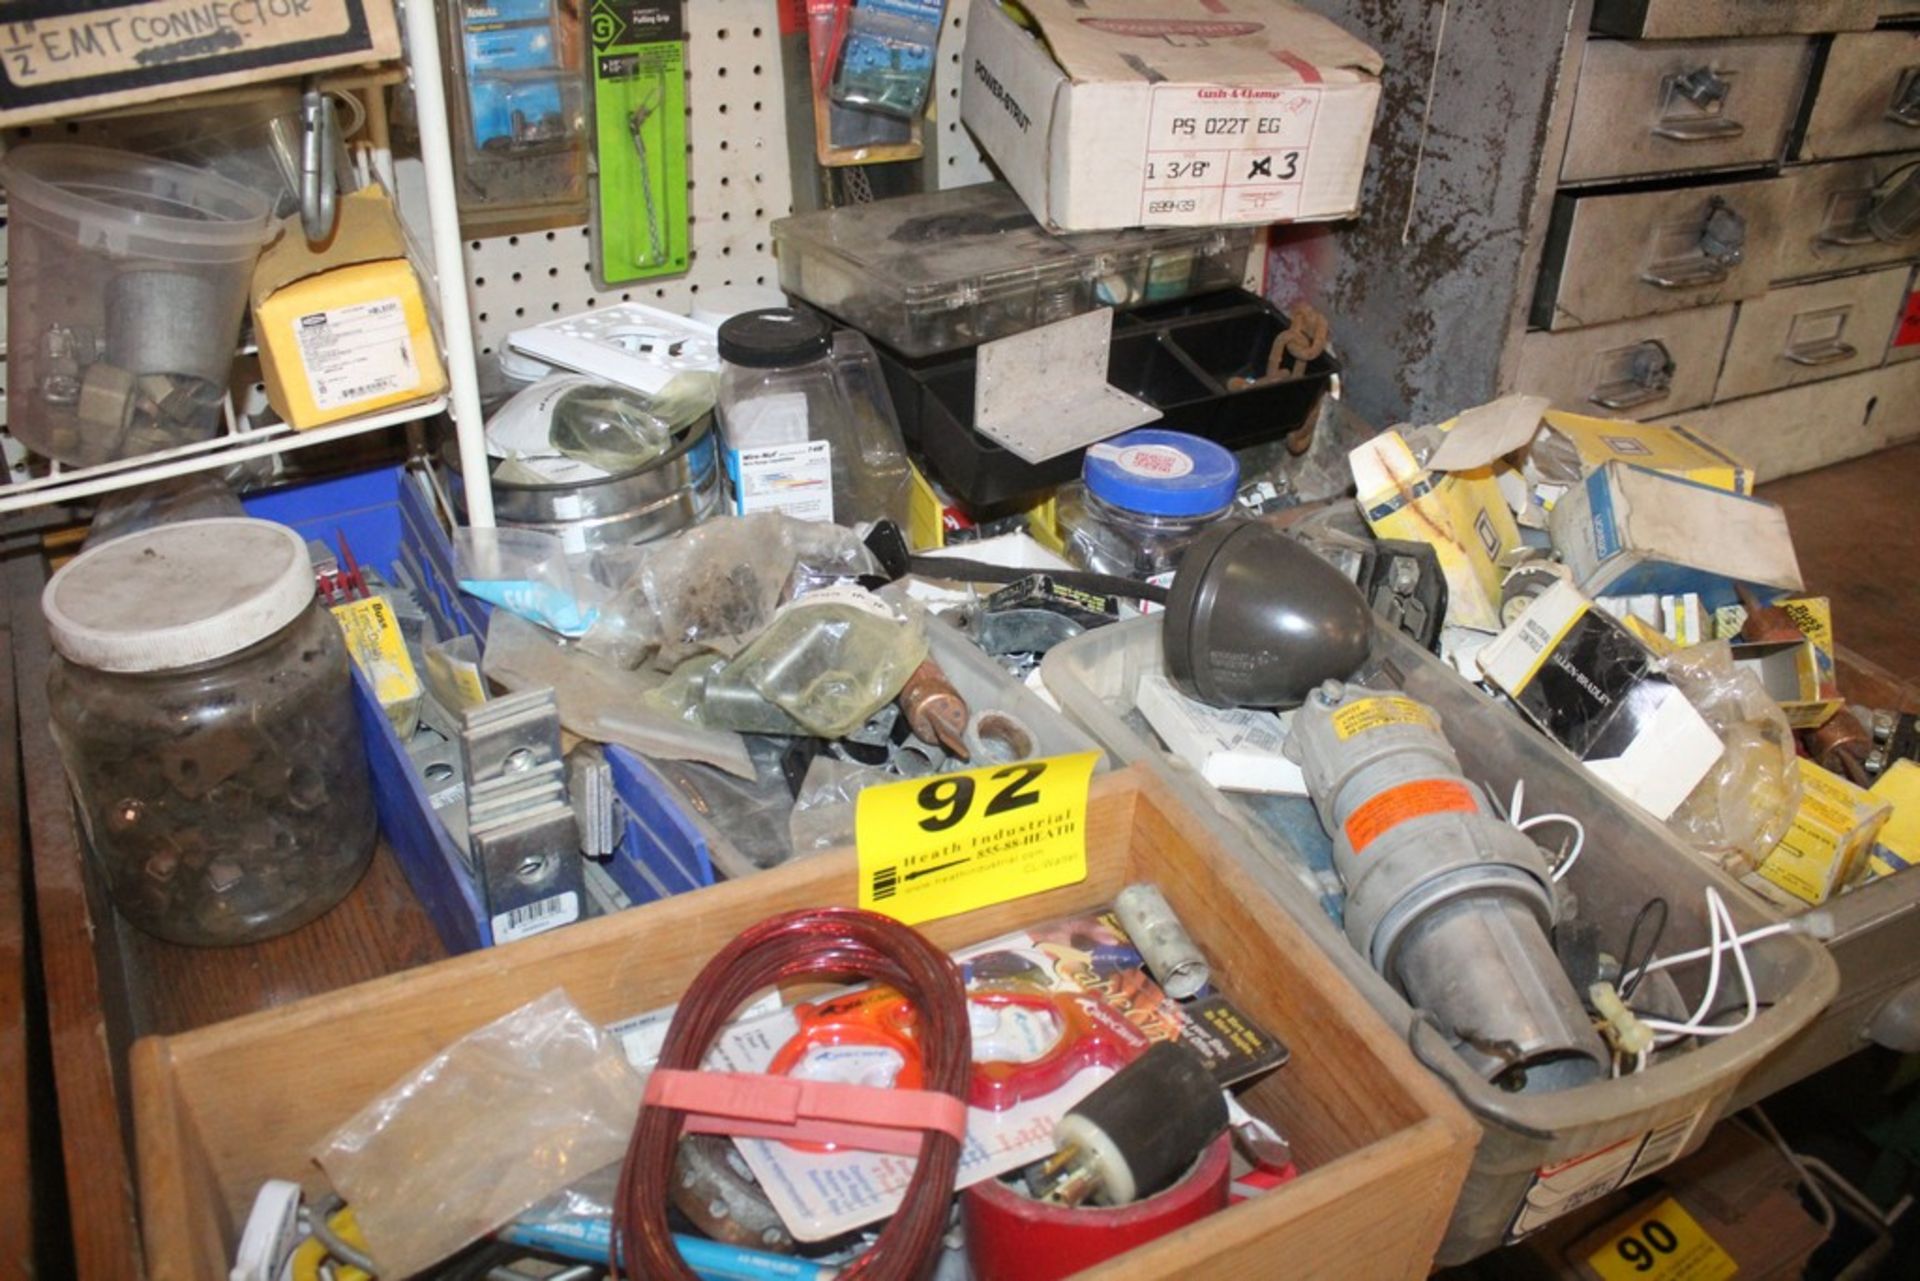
(726, 215)
(722, 33)
(514, 240)
(518, 312)
(516, 277)
(480, 282)
(756, 107)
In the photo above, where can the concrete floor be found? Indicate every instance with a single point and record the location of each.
(1855, 532)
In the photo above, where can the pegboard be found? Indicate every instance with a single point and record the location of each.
(737, 169)
(960, 161)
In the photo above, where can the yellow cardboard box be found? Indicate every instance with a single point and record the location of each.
(343, 329)
(1570, 446)
(1897, 847)
(1832, 829)
(1461, 513)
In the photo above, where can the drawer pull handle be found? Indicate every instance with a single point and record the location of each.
(1635, 376)
(1815, 338)
(1704, 129)
(1719, 245)
(1905, 109)
(1693, 108)
(1823, 354)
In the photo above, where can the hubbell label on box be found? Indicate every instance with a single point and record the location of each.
(1171, 112)
(71, 55)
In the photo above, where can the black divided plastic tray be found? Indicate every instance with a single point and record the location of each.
(1178, 357)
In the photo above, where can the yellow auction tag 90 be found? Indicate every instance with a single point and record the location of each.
(1664, 1244)
(938, 846)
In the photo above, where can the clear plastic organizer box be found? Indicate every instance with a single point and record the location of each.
(1540, 1154)
(948, 269)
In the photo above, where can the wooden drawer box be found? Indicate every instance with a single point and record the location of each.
(1383, 1144)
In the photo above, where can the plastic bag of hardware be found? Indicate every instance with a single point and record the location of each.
(833, 657)
(502, 1118)
(750, 815)
(530, 573)
(822, 816)
(598, 700)
(568, 427)
(713, 588)
(201, 496)
(1744, 805)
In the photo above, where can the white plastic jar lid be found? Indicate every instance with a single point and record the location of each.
(176, 595)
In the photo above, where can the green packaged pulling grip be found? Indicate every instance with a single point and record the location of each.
(639, 88)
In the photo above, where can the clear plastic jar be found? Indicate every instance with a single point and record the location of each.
(1142, 499)
(203, 705)
(807, 422)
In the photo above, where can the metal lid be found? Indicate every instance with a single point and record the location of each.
(774, 337)
(1162, 473)
(179, 594)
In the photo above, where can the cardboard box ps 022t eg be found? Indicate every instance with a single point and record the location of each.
(1171, 113)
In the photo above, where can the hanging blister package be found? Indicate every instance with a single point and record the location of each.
(639, 115)
(865, 60)
(520, 134)
(885, 63)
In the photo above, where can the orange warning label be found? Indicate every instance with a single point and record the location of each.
(1409, 800)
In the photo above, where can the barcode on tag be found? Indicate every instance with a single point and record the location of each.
(536, 918)
(1664, 1143)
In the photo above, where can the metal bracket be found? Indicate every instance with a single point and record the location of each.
(319, 143)
(1044, 393)
(524, 839)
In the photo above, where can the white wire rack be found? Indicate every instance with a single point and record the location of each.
(242, 441)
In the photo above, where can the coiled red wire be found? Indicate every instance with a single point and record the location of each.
(839, 943)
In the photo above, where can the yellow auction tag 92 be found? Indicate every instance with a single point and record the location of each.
(939, 846)
(1664, 1244)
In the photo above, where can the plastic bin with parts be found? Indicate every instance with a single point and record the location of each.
(1541, 1154)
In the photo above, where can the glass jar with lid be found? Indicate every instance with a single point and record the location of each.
(1142, 498)
(807, 421)
(202, 702)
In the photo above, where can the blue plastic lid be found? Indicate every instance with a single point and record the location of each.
(1161, 473)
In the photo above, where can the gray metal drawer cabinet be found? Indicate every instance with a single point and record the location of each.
(1641, 253)
(1868, 98)
(1649, 107)
(1673, 19)
(1801, 333)
(1629, 369)
(1826, 204)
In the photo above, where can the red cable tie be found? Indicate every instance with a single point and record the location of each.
(752, 1105)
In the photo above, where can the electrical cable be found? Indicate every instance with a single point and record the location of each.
(1565, 865)
(1718, 916)
(817, 943)
(1630, 976)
